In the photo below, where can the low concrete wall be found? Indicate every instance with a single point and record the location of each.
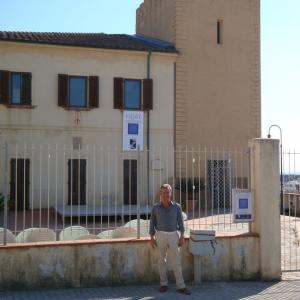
(94, 263)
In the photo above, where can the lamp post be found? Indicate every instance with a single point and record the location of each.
(281, 179)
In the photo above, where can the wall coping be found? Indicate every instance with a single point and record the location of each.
(220, 235)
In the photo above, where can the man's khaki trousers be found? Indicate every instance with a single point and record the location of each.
(167, 243)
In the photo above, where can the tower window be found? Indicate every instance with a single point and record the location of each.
(219, 32)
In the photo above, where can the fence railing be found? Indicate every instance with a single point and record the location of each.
(101, 188)
(290, 211)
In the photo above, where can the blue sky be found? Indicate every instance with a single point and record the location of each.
(280, 45)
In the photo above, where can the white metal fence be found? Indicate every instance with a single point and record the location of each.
(104, 188)
(290, 211)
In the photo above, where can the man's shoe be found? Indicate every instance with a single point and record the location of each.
(184, 291)
(163, 288)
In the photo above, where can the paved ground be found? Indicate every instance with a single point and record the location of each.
(287, 289)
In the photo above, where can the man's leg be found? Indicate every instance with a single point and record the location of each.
(161, 241)
(174, 255)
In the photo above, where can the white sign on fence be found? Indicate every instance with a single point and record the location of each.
(242, 202)
(133, 130)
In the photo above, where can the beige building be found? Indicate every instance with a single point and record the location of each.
(217, 70)
(192, 69)
(62, 100)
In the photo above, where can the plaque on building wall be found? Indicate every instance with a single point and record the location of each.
(133, 130)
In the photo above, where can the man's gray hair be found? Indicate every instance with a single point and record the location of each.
(166, 186)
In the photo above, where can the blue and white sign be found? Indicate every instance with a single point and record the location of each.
(133, 130)
(242, 206)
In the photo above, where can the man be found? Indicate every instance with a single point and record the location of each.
(166, 220)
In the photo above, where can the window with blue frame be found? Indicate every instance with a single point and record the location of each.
(77, 91)
(15, 88)
(132, 94)
(16, 85)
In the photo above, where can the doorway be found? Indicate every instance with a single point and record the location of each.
(130, 181)
(19, 183)
(76, 181)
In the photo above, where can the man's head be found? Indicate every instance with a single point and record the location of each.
(165, 194)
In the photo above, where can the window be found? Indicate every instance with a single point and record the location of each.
(219, 32)
(132, 94)
(78, 92)
(15, 88)
(16, 81)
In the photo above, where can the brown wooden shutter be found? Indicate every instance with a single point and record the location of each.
(147, 94)
(63, 90)
(118, 93)
(26, 88)
(93, 91)
(4, 87)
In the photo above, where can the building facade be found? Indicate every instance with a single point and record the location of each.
(218, 100)
(61, 113)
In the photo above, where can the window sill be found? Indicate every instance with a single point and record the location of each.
(78, 108)
(23, 106)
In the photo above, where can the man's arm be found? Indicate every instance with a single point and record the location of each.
(152, 227)
(180, 225)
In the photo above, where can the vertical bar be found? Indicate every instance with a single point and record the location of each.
(200, 186)
(295, 211)
(32, 183)
(79, 188)
(249, 182)
(212, 170)
(71, 185)
(16, 190)
(5, 191)
(101, 187)
(56, 196)
(108, 184)
(138, 194)
(48, 186)
(94, 189)
(40, 189)
(206, 185)
(153, 177)
(122, 183)
(167, 165)
(64, 184)
(290, 231)
(230, 202)
(86, 186)
(160, 169)
(242, 176)
(224, 187)
(219, 166)
(173, 171)
(24, 187)
(180, 183)
(116, 161)
(186, 181)
(236, 174)
(193, 182)
(284, 227)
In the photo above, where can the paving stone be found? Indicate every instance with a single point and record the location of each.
(286, 289)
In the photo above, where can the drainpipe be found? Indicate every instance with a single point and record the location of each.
(148, 131)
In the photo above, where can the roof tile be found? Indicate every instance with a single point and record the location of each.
(90, 40)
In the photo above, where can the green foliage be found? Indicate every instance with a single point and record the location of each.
(189, 185)
(10, 202)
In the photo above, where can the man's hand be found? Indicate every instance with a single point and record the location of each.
(153, 242)
(181, 241)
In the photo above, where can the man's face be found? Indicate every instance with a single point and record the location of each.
(165, 195)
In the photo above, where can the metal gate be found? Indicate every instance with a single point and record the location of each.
(290, 212)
